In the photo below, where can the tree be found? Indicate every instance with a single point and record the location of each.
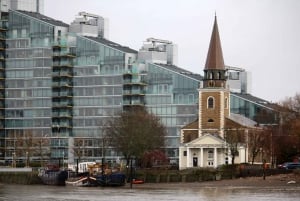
(78, 148)
(135, 132)
(42, 150)
(234, 137)
(155, 157)
(289, 129)
(259, 142)
(254, 144)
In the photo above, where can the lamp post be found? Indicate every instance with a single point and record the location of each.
(57, 140)
(42, 143)
(26, 158)
(13, 159)
(63, 161)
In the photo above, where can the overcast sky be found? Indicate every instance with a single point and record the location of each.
(261, 36)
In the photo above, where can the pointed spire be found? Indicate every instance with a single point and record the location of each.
(214, 59)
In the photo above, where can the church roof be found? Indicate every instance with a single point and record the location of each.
(214, 59)
(242, 120)
(192, 125)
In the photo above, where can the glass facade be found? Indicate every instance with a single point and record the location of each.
(28, 92)
(257, 109)
(174, 98)
(98, 90)
(3, 33)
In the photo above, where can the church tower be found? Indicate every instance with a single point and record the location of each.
(214, 95)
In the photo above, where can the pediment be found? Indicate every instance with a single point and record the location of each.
(207, 139)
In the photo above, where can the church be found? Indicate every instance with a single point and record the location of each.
(218, 136)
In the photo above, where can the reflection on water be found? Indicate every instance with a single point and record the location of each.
(53, 193)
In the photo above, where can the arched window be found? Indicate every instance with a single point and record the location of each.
(219, 75)
(210, 102)
(210, 121)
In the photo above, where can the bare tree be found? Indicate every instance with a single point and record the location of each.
(289, 129)
(259, 141)
(78, 148)
(135, 132)
(234, 137)
(42, 148)
(24, 147)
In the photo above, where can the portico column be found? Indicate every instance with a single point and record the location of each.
(215, 157)
(201, 157)
(188, 157)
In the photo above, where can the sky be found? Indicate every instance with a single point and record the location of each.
(261, 36)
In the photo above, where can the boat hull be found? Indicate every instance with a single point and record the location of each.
(114, 179)
(54, 177)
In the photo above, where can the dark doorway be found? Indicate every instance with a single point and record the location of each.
(195, 162)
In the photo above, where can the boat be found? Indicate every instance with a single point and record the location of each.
(113, 179)
(53, 175)
(96, 174)
(137, 181)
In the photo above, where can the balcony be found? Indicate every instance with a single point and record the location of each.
(61, 84)
(57, 64)
(62, 94)
(62, 74)
(62, 115)
(137, 92)
(3, 25)
(62, 104)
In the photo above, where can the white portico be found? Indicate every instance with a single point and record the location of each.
(205, 151)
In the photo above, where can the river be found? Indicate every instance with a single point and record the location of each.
(182, 193)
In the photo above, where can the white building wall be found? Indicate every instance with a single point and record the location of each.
(182, 158)
(158, 51)
(4, 5)
(239, 81)
(172, 54)
(87, 24)
(27, 5)
(152, 57)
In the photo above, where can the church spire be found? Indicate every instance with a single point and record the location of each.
(214, 71)
(214, 59)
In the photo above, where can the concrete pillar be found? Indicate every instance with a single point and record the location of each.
(201, 157)
(188, 157)
(215, 157)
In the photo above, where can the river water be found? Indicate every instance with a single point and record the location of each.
(68, 193)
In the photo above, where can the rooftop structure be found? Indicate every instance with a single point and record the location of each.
(88, 24)
(158, 51)
(27, 5)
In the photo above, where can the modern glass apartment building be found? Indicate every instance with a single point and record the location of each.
(172, 94)
(98, 92)
(58, 89)
(29, 79)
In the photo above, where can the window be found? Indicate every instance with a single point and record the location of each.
(210, 121)
(234, 75)
(210, 155)
(184, 153)
(210, 102)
